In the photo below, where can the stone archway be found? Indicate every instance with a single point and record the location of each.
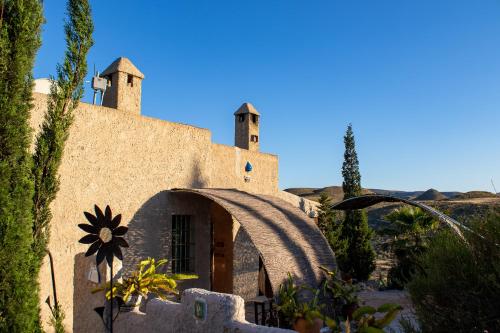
(284, 237)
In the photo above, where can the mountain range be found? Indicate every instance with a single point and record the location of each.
(336, 193)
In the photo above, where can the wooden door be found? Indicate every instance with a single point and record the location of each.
(222, 250)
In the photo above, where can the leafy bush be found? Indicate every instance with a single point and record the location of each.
(457, 287)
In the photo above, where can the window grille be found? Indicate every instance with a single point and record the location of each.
(182, 244)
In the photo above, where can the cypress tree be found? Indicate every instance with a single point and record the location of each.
(66, 92)
(358, 257)
(20, 27)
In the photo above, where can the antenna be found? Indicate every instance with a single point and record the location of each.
(99, 84)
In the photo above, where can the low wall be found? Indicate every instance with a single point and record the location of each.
(223, 313)
(307, 206)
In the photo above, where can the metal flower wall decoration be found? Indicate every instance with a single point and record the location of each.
(105, 235)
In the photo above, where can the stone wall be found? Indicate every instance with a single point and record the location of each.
(128, 161)
(225, 313)
(307, 206)
(228, 170)
(246, 264)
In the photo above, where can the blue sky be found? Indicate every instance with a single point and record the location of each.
(419, 80)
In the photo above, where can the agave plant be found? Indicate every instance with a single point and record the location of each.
(146, 280)
(368, 322)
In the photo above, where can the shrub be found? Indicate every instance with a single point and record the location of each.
(411, 228)
(457, 287)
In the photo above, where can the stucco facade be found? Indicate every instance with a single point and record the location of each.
(120, 158)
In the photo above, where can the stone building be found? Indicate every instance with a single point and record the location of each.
(211, 209)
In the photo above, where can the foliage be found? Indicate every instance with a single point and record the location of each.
(407, 325)
(328, 224)
(24, 214)
(411, 228)
(146, 280)
(57, 317)
(290, 307)
(457, 287)
(66, 91)
(339, 293)
(367, 320)
(357, 257)
(350, 168)
(326, 214)
(20, 29)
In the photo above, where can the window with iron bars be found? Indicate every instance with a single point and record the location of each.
(182, 244)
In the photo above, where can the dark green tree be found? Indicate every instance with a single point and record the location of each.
(325, 213)
(358, 257)
(20, 27)
(329, 224)
(66, 91)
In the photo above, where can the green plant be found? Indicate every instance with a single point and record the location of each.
(66, 92)
(411, 228)
(57, 318)
(328, 223)
(357, 257)
(291, 307)
(24, 215)
(457, 286)
(146, 280)
(408, 326)
(20, 38)
(367, 321)
(326, 214)
(341, 294)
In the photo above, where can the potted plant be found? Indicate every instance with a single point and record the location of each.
(302, 316)
(143, 281)
(342, 293)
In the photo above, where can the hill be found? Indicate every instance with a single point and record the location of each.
(431, 194)
(475, 194)
(335, 192)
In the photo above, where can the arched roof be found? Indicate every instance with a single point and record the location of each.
(286, 238)
(368, 200)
